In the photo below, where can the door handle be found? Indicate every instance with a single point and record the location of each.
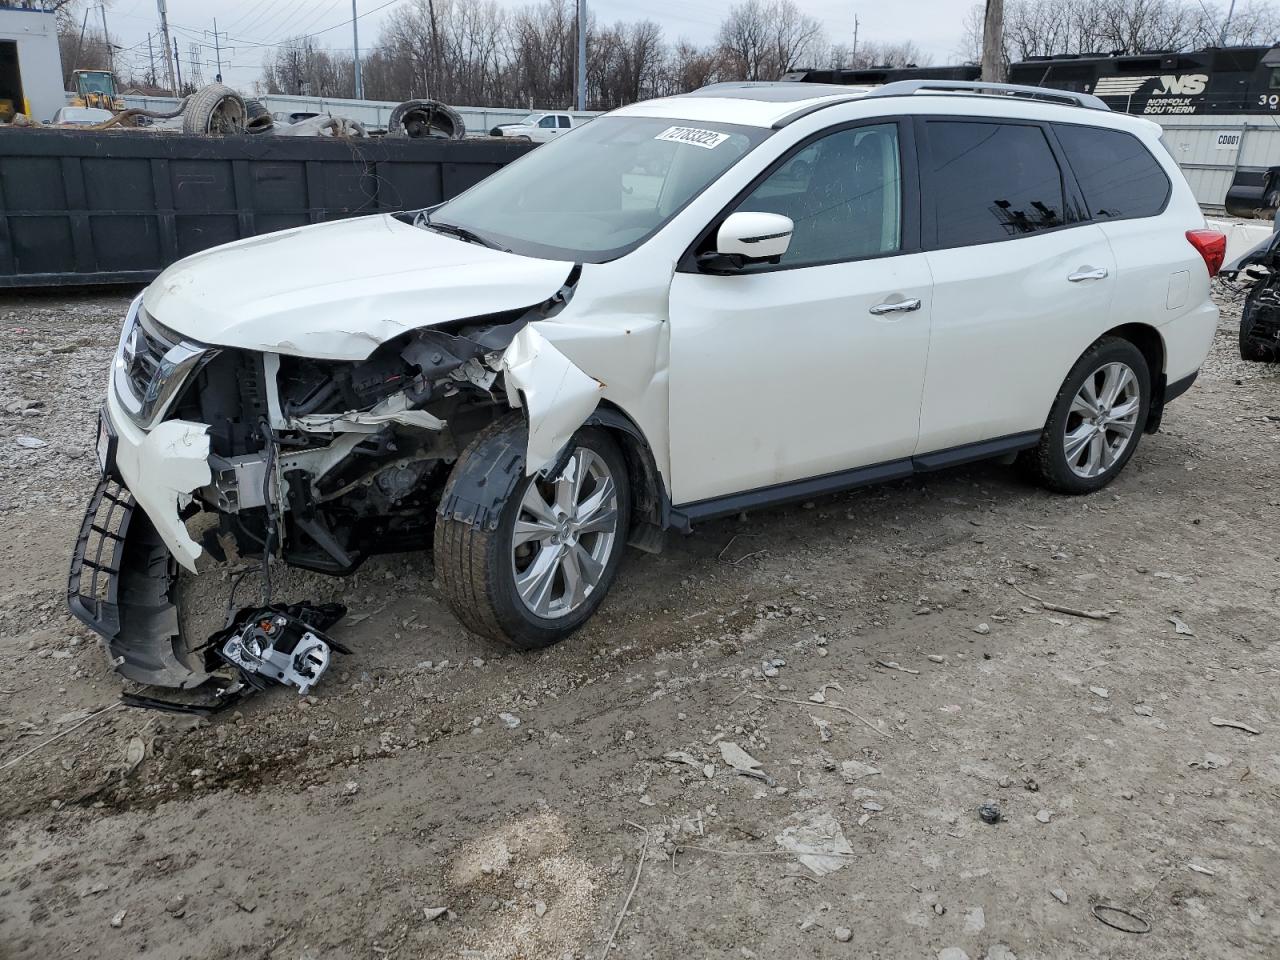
(900, 306)
(1088, 273)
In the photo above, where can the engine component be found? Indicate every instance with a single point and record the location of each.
(399, 480)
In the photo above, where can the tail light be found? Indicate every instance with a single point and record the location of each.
(1212, 245)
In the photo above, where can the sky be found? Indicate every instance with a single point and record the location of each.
(934, 25)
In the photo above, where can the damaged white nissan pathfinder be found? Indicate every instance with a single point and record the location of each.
(751, 294)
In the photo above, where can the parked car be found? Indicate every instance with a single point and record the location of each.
(80, 116)
(538, 127)
(825, 288)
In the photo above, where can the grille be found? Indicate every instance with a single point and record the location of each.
(147, 350)
(152, 366)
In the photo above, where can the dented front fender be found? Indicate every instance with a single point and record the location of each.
(557, 397)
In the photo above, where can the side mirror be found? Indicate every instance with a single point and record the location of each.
(755, 236)
(746, 237)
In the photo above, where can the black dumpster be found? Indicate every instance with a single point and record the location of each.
(119, 206)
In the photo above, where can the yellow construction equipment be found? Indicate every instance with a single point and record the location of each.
(97, 88)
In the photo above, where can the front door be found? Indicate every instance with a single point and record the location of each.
(815, 365)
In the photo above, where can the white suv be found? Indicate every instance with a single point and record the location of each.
(745, 296)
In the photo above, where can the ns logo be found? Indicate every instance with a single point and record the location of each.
(1187, 85)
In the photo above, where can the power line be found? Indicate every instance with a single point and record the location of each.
(307, 36)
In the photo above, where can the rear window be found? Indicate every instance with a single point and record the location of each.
(992, 181)
(1116, 172)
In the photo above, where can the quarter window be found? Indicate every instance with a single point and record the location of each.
(993, 181)
(842, 192)
(1116, 173)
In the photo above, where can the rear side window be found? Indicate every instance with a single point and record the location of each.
(1116, 173)
(992, 181)
(564, 123)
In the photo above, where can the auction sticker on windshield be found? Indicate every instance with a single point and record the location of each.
(707, 139)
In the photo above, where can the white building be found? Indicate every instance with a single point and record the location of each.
(30, 62)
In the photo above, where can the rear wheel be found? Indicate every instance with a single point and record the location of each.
(544, 569)
(1096, 419)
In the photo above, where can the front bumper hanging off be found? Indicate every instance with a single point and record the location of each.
(122, 585)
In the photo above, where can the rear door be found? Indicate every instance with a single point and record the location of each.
(1023, 281)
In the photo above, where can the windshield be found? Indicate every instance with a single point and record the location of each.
(600, 190)
(529, 121)
(96, 83)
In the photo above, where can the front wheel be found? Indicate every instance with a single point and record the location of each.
(544, 568)
(1095, 421)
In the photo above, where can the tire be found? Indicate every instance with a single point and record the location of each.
(1067, 467)
(418, 119)
(257, 118)
(1250, 349)
(478, 563)
(216, 109)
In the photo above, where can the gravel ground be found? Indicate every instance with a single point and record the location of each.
(877, 655)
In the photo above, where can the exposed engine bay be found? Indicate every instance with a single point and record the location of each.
(342, 460)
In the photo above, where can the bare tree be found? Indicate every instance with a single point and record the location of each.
(476, 52)
(761, 40)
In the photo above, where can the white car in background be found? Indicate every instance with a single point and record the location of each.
(737, 298)
(80, 117)
(539, 127)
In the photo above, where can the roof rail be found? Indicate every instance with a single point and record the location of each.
(905, 88)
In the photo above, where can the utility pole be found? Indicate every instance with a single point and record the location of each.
(853, 55)
(177, 65)
(582, 54)
(151, 58)
(1222, 38)
(355, 50)
(217, 49)
(106, 37)
(164, 30)
(80, 43)
(993, 42)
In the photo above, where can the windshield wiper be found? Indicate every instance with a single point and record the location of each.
(462, 233)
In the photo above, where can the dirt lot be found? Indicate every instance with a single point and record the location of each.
(337, 825)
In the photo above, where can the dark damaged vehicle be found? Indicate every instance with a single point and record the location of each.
(748, 295)
(1260, 315)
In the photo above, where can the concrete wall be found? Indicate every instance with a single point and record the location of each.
(38, 59)
(376, 113)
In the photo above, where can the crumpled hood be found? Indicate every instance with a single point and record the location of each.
(338, 290)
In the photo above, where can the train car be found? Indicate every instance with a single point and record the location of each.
(1163, 83)
(1211, 82)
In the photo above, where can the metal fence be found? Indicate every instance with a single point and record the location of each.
(81, 207)
(1212, 150)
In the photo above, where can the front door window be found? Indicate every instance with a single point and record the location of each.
(842, 192)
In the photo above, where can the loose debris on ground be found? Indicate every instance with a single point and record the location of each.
(774, 745)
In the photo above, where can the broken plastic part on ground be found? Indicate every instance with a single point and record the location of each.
(261, 646)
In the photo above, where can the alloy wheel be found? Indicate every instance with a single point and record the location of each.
(1102, 420)
(564, 535)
